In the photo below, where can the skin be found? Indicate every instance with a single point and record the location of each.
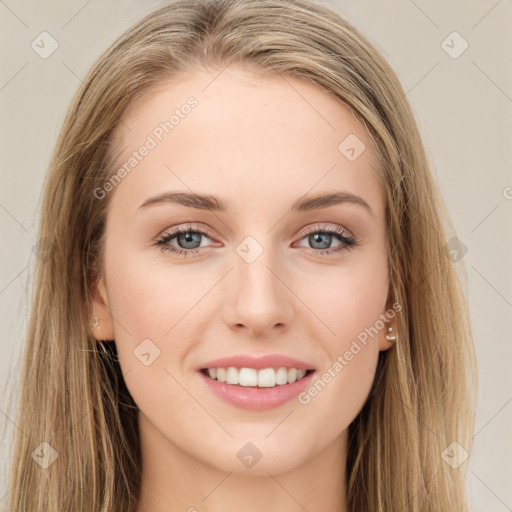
(259, 143)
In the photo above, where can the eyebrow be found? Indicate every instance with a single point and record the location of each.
(215, 204)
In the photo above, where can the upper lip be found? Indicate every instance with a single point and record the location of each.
(258, 363)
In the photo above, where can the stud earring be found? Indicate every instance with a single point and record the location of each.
(95, 324)
(389, 337)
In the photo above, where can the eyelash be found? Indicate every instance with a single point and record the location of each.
(348, 242)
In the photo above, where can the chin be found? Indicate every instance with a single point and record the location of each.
(258, 456)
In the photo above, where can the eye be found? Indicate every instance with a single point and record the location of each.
(186, 237)
(321, 237)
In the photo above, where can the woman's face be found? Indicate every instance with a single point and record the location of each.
(268, 279)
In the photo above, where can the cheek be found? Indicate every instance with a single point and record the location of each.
(149, 299)
(350, 302)
(152, 332)
(348, 298)
(341, 387)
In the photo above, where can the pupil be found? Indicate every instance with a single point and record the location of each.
(318, 238)
(189, 238)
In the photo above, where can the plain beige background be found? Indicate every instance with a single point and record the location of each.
(463, 104)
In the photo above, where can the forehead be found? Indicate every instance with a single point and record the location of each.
(245, 136)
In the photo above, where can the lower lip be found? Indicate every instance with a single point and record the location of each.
(257, 398)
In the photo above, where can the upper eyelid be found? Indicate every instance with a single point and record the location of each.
(184, 228)
(208, 232)
(329, 228)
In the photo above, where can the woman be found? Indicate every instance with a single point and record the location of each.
(246, 301)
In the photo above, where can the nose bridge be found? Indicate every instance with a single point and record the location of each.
(260, 300)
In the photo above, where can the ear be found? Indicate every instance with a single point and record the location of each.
(390, 321)
(101, 324)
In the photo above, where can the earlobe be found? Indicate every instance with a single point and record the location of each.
(101, 324)
(389, 336)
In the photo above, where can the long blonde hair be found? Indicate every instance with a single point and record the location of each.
(72, 392)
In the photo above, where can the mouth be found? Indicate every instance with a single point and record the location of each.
(256, 378)
(257, 389)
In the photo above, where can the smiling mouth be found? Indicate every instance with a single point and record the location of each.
(250, 377)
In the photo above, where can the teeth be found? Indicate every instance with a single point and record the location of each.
(221, 374)
(282, 376)
(232, 375)
(265, 378)
(247, 377)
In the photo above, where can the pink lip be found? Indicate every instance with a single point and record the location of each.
(258, 363)
(256, 398)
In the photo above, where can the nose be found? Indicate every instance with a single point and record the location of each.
(258, 298)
